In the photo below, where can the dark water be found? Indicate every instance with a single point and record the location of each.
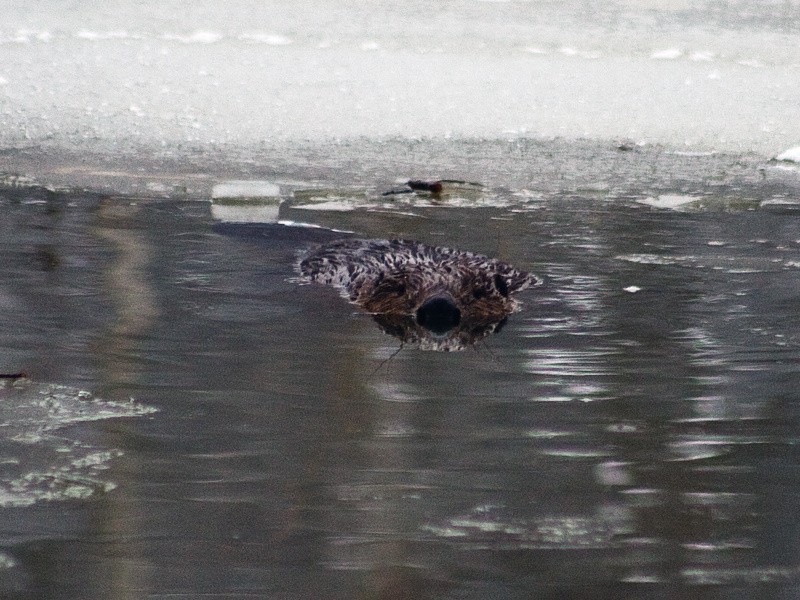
(631, 433)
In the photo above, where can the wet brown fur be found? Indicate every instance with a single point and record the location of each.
(478, 295)
(392, 279)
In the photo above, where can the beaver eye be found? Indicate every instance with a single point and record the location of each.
(393, 286)
(479, 293)
(501, 285)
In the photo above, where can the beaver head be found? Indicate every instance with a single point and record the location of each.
(418, 292)
(439, 294)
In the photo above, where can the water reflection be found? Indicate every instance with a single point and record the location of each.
(407, 329)
(126, 276)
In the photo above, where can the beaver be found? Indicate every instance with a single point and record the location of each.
(438, 298)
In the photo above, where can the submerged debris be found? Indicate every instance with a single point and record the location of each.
(14, 376)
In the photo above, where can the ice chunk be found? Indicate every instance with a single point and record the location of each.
(243, 201)
(245, 189)
(781, 206)
(329, 199)
(301, 224)
(43, 463)
(257, 213)
(30, 410)
(673, 201)
(7, 561)
(496, 526)
(790, 155)
(341, 205)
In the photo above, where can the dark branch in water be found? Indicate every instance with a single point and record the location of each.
(20, 375)
(435, 188)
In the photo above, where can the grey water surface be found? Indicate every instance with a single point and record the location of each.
(632, 432)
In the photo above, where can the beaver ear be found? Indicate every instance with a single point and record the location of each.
(515, 281)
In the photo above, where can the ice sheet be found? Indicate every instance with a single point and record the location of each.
(246, 189)
(43, 463)
(697, 74)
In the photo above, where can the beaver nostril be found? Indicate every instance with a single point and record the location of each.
(438, 315)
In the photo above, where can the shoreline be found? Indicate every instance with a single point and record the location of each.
(551, 165)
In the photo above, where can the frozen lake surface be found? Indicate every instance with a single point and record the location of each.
(705, 74)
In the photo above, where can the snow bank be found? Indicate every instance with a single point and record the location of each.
(790, 155)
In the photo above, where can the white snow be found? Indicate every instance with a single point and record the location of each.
(692, 153)
(668, 54)
(242, 72)
(198, 37)
(96, 36)
(701, 56)
(750, 62)
(271, 39)
(790, 155)
(568, 51)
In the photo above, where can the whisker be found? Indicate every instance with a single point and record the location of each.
(387, 360)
